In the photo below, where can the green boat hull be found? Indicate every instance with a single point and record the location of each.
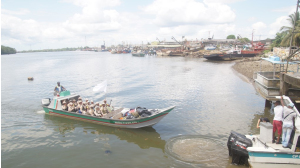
(128, 123)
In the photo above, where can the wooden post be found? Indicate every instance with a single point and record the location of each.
(268, 104)
(284, 87)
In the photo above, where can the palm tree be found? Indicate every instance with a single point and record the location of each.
(288, 31)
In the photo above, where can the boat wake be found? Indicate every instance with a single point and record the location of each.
(41, 112)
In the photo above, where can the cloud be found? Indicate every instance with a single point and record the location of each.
(289, 9)
(176, 12)
(95, 3)
(252, 19)
(275, 26)
(222, 1)
(19, 12)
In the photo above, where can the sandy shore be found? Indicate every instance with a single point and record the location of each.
(247, 67)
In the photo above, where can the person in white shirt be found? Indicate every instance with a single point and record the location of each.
(289, 116)
(277, 121)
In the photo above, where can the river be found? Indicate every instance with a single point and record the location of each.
(211, 99)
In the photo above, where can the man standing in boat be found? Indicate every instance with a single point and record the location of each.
(288, 123)
(59, 88)
(277, 121)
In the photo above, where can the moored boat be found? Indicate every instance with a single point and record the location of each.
(224, 57)
(260, 152)
(114, 118)
(138, 54)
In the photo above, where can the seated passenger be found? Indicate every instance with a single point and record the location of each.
(104, 106)
(97, 112)
(78, 105)
(75, 104)
(87, 110)
(71, 107)
(83, 108)
(91, 110)
(64, 106)
(92, 102)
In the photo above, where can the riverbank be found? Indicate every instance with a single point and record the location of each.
(248, 66)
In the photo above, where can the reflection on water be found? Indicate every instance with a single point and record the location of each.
(145, 137)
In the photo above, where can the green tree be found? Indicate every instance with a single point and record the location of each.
(287, 30)
(231, 36)
(278, 39)
(245, 39)
(7, 50)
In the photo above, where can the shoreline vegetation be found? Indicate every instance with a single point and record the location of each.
(5, 50)
(52, 50)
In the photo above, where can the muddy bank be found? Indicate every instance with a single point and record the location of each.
(247, 67)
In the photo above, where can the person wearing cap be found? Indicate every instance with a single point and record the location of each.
(71, 107)
(91, 110)
(289, 116)
(83, 108)
(277, 121)
(97, 112)
(75, 104)
(79, 104)
(64, 106)
(92, 102)
(104, 106)
(58, 88)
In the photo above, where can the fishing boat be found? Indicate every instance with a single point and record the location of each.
(138, 54)
(114, 118)
(260, 152)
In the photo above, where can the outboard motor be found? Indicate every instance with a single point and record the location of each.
(237, 146)
(46, 101)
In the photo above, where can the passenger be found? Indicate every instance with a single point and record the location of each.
(71, 107)
(58, 89)
(262, 120)
(87, 100)
(104, 106)
(97, 112)
(277, 121)
(64, 106)
(78, 106)
(91, 110)
(92, 102)
(75, 104)
(288, 123)
(83, 108)
(87, 110)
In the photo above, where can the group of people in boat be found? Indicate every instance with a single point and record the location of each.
(86, 107)
(83, 107)
(283, 122)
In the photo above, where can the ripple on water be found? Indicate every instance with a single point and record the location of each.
(198, 150)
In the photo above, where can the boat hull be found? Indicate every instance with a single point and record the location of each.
(223, 57)
(129, 123)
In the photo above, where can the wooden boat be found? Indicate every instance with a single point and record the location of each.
(176, 53)
(113, 118)
(260, 152)
(138, 54)
(163, 52)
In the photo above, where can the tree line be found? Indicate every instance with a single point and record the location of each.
(7, 50)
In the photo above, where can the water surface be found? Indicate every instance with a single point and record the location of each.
(210, 99)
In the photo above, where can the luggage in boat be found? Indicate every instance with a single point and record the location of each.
(237, 146)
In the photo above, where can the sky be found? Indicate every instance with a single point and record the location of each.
(45, 24)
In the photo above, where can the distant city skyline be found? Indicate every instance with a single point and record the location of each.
(42, 24)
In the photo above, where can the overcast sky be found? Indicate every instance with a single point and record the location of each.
(42, 24)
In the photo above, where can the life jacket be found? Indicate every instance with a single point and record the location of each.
(58, 88)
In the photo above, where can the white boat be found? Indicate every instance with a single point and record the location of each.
(259, 150)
